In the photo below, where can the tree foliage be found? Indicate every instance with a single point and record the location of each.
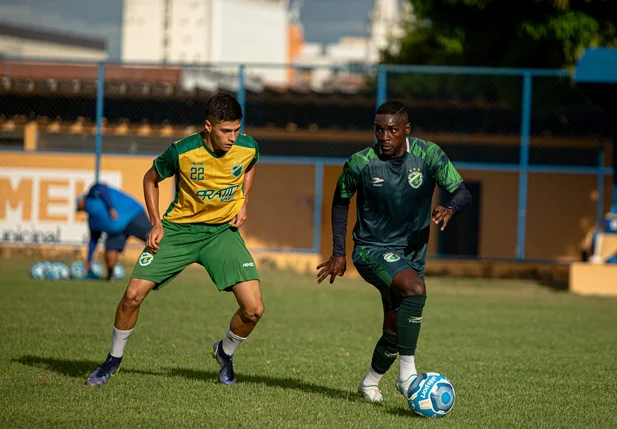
(505, 33)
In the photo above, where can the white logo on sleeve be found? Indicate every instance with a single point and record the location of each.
(248, 264)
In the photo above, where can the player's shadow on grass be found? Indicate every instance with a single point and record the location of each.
(71, 368)
(271, 381)
(83, 368)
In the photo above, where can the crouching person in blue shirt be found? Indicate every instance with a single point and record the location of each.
(116, 214)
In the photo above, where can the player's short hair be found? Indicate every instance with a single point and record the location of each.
(223, 107)
(395, 108)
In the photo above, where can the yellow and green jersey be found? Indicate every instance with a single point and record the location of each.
(209, 188)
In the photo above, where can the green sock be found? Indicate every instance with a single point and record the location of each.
(408, 321)
(385, 352)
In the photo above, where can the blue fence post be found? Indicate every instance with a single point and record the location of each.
(100, 96)
(317, 205)
(613, 201)
(523, 165)
(600, 203)
(241, 95)
(382, 86)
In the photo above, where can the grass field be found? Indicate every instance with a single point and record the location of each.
(519, 355)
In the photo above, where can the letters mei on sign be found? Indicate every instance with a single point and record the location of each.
(38, 205)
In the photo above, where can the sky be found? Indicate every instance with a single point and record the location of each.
(324, 21)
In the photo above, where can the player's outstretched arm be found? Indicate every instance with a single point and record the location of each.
(449, 180)
(461, 199)
(337, 264)
(151, 195)
(242, 215)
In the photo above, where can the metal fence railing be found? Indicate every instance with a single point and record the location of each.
(533, 130)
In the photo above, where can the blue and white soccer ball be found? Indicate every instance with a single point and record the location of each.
(65, 273)
(96, 269)
(119, 272)
(38, 271)
(54, 272)
(77, 270)
(431, 395)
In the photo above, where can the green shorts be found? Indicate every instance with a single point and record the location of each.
(379, 265)
(218, 248)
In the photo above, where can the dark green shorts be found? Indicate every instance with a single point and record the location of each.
(218, 248)
(379, 265)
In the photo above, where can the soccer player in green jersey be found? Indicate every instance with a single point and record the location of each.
(214, 172)
(394, 180)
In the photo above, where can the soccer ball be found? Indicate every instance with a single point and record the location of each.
(46, 265)
(38, 271)
(54, 272)
(65, 273)
(431, 395)
(77, 270)
(119, 272)
(96, 269)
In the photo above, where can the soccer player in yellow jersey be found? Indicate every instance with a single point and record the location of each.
(214, 172)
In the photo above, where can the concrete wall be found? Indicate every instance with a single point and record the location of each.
(38, 190)
(561, 211)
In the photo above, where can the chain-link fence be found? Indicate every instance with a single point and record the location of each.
(530, 144)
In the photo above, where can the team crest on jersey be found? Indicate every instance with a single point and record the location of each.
(415, 178)
(391, 257)
(145, 259)
(236, 170)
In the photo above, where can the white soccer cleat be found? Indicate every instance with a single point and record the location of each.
(403, 386)
(370, 393)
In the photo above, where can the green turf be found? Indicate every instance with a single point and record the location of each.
(519, 355)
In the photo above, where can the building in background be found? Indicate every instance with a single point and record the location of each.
(24, 42)
(296, 37)
(208, 31)
(331, 67)
(268, 32)
(386, 27)
(336, 61)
